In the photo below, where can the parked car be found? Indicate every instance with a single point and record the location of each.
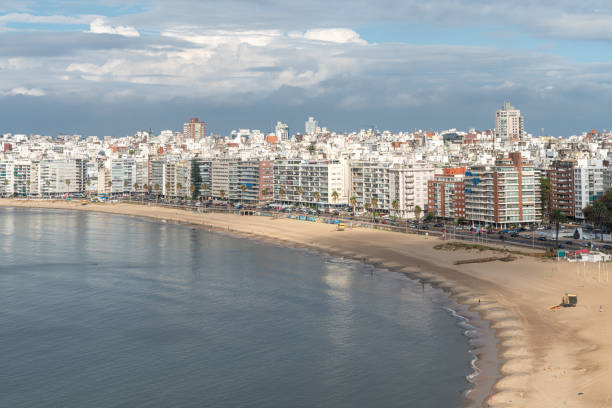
(527, 236)
(541, 238)
(608, 247)
(569, 242)
(425, 227)
(515, 235)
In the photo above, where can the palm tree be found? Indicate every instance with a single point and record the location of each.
(281, 192)
(135, 188)
(395, 206)
(335, 196)
(353, 201)
(557, 217)
(192, 191)
(317, 196)
(222, 195)
(299, 191)
(156, 188)
(47, 183)
(109, 184)
(167, 191)
(243, 188)
(88, 182)
(417, 213)
(374, 204)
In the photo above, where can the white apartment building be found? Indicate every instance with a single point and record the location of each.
(310, 126)
(61, 176)
(408, 186)
(321, 182)
(282, 131)
(220, 181)
(372, 180)
(123, 175)
(588, 184)
(91, 176)
(509, 124)
(177, 179)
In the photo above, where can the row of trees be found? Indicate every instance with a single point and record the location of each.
(599, 213)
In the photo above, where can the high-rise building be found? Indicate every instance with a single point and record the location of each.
(509, 124)
(505, 194)
(282, 131)
(588, 184)
(310, 126)
(446, 194)
(312, 182)
(561, 177)
(194, 130)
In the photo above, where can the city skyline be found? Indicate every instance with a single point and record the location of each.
(108, 69)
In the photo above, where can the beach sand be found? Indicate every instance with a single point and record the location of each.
(549, 358)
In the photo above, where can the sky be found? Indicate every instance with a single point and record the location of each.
(115, 67)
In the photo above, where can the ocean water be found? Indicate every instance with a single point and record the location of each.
(101, 310)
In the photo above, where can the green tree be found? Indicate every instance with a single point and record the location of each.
(167, 185)
(243, 188)
(335, 196)
(156, 188)
(317, 197)
(417, 213)
(395, 206)
(598, 214)
(374, 204)
(353, 201)
(299, 191)
(281, 193)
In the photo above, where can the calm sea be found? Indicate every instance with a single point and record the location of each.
(111, 311)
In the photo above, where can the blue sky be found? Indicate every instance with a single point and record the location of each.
(114, 67)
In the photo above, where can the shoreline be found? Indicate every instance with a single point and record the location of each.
(531, 368)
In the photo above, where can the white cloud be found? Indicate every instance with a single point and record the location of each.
(52, 19)
(24, 91)
(334, 35)
(215, 38)
(99, 26)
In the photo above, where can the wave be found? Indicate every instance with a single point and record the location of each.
(471, 333)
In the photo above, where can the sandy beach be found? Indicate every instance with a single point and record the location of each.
(549, 358)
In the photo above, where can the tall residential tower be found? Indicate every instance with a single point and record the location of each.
(509, 124)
